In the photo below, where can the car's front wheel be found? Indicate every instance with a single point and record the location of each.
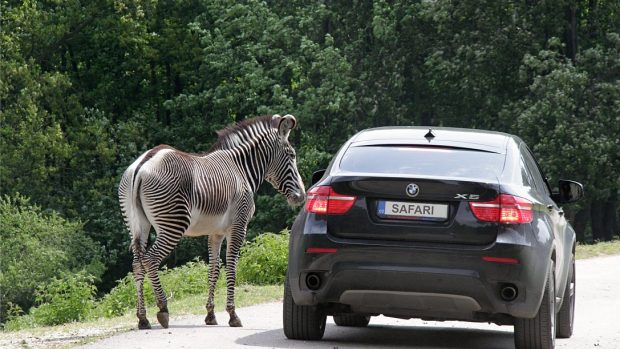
(566, 315)
(301, 321)
(539, 332)
(351, 320)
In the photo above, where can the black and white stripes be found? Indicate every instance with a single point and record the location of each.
(205, 194)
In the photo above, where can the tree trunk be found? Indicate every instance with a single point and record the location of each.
(592, 22)
(580, 222)
(169, 77)
(596, 215)
(74, 65)
(609, 218)
(154, 91)
(571, 31)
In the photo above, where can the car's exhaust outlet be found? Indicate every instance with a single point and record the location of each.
(313, 281)
(508, 292)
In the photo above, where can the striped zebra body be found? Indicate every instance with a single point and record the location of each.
(182, 194)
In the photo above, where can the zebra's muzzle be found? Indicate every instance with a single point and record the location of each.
(296, 199)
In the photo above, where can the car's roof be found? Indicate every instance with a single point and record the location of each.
(443, 136)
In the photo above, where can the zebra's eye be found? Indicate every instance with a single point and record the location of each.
(291, 152)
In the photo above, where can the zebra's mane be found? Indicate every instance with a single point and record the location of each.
(231, 136)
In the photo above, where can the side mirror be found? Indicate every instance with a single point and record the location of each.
(569, 191)
(316, 176)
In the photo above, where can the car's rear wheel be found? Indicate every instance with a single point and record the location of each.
(351, 320)
(301, 321)
(539, 332)
(566, 315)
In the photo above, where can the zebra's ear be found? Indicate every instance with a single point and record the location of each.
(285, 124)
(275, 120)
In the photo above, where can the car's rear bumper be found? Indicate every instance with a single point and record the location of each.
(439, 282)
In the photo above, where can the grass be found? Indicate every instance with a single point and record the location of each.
(598, 249)
(71, 334)
(245, 295)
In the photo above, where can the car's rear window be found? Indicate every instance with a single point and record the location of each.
(423, 161)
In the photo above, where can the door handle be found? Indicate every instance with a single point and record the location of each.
(561, 212)
(550, 207)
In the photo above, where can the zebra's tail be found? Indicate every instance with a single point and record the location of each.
(133, 212)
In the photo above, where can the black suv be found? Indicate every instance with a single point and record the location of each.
(438, 224)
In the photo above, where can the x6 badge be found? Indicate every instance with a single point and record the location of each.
(467, 196)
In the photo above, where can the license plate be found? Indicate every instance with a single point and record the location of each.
(412, 210)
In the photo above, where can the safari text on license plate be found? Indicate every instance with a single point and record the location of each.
(412, 210)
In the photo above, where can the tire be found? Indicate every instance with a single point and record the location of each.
(351, 320)
(539, 332)
(566, 315)
(301, 321)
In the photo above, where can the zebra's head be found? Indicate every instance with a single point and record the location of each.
(282, 172)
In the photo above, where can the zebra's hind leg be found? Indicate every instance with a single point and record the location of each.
(215, 244)
(164, 244)
(138, 272)
(234, 242)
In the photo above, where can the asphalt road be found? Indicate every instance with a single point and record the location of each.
(597, 325)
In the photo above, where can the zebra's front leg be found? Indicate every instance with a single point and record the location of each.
(234, 242)
(215, 245)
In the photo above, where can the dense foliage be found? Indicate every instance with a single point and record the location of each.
(71, 297)
(63, 300)
(86, 86)
(264, 261)
(35, 248)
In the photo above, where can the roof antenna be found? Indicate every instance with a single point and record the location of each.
(429, 136)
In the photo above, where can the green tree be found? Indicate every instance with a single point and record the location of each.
(86, 87)
(572, 110)
(33, 103)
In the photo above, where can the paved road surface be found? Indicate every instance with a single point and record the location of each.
(597, 326)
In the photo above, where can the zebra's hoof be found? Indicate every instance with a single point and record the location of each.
(235, 322)
(163, 318)
(143, 324)
(210, 320)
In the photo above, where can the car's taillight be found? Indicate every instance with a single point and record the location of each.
(503, 209)
(324, 200)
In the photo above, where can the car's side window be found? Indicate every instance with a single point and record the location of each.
(526, 176)
(533, 168)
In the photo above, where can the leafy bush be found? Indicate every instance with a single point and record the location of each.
(20, 322)
(120, 299)
(264, 260)
(191, 278)
(64, 299)
(36, 247)
(71, 297)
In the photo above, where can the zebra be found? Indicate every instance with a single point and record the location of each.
(182, 194)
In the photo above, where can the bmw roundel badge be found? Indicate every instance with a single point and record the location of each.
(412, 189)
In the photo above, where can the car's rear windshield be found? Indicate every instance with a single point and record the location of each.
(423, 161)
